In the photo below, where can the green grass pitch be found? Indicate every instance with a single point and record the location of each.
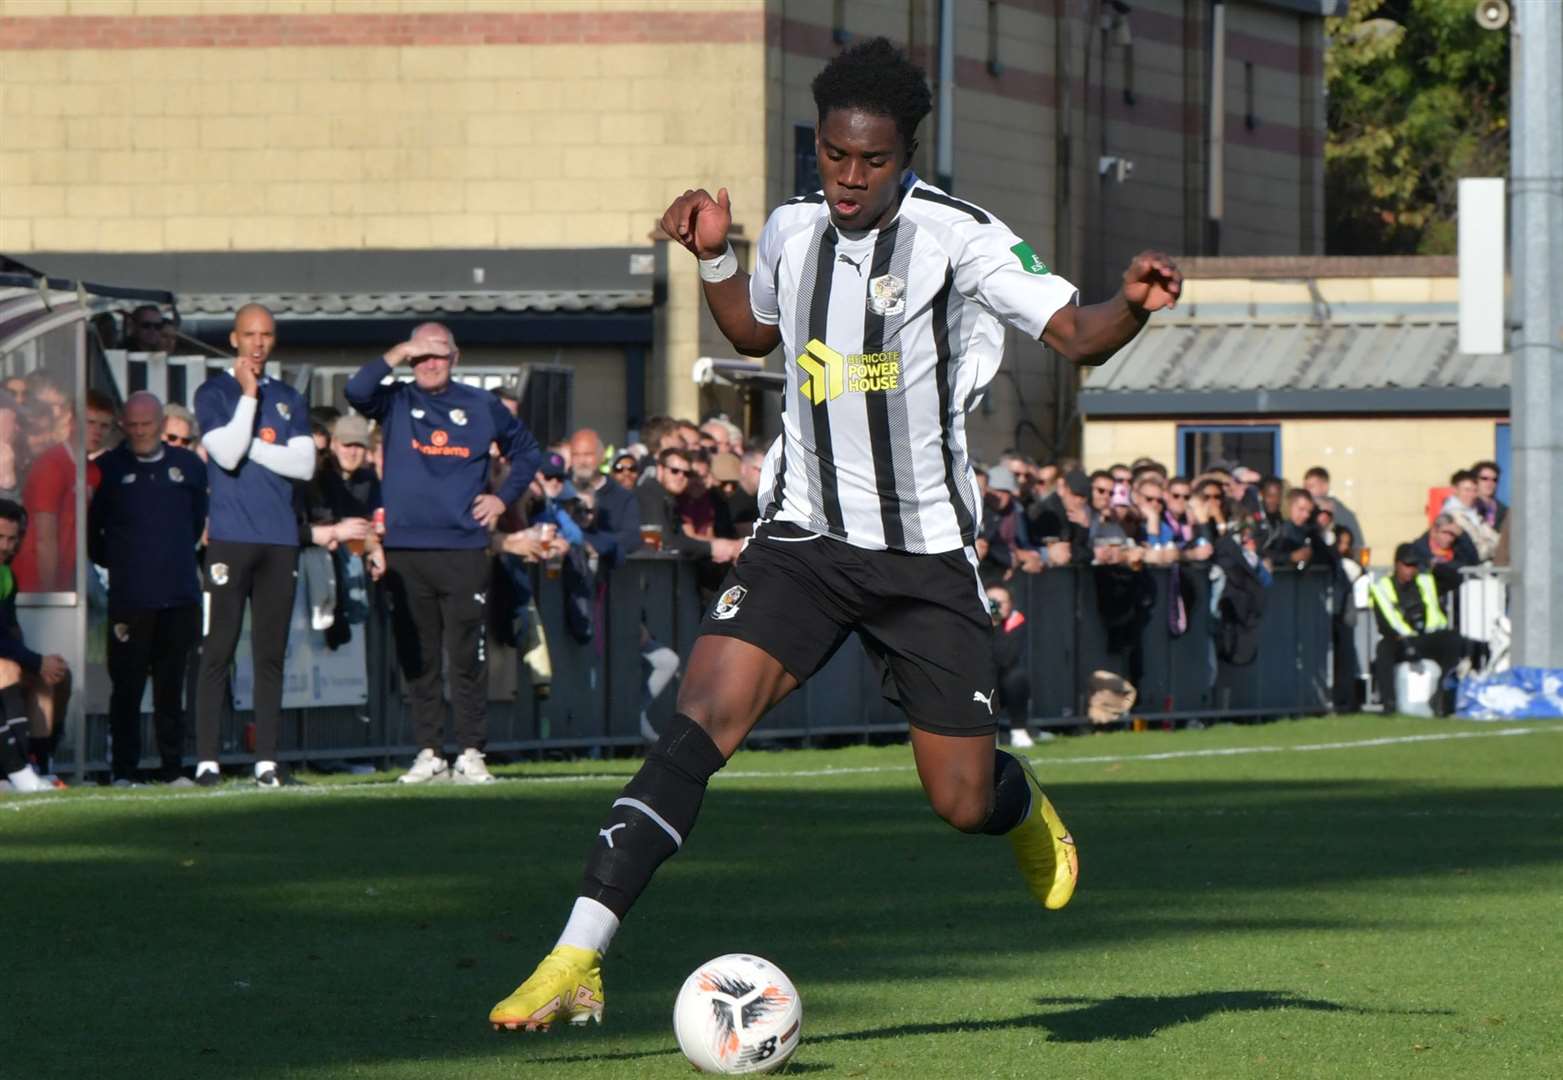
(1336, 898)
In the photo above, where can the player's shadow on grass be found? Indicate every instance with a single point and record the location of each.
(1119, 1018)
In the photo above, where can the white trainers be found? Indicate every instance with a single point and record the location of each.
(1019, 736)
(27, 780)
(470, 768)
(428, 765)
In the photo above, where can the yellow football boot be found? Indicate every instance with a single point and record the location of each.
(567, 985)
(1044, 850)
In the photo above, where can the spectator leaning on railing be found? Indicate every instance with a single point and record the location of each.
(1462, 506)
(612, 512)
(1316, 481)
(659, 508)
(437, 521)
(1445, 544)
(258, 443)
(143, 527)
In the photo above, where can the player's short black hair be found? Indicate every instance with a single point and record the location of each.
(876, 77)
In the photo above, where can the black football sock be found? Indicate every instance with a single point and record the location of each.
(13, 730)
(652, 815)
(1011, 795)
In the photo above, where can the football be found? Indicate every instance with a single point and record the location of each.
(738, 1014)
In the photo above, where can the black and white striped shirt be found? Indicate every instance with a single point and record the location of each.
(890, 337)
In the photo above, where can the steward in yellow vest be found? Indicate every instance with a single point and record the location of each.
(1412, 625)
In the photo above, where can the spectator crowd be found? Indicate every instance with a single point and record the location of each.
(254, 484)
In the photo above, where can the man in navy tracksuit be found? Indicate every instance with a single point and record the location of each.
(144, 526)
(437, 435)
(256, 434)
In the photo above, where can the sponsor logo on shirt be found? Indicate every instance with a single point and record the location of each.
(831, 374)
(439, 446)
(268, 435)
(886, 295)
(1030, 261)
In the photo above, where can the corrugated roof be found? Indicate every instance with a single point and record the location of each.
(1309, 366)
(337, 304)
(1172, 356)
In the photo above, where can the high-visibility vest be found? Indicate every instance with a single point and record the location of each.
(1388, 604)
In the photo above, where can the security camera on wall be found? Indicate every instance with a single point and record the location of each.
(1492, 14)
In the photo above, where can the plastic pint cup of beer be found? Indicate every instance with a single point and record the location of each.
(651, 536)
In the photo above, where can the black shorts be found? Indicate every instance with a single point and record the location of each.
(923, 618)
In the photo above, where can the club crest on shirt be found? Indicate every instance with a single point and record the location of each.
(176, 474)
(121, 632)
(727, 603)
(886, 295)
(283, 409)
(417, 414)
(218, 572)
(458, 417)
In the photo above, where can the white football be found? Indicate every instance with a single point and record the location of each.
(738, 1014)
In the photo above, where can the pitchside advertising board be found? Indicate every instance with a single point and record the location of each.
(313, 674)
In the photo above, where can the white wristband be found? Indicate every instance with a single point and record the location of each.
(720, 268)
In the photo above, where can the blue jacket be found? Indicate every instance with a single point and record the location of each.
(251, 503)
(436, 456)
(143, 526)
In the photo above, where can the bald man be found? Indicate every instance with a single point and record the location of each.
(614, 529)
(438, 513)
(143, 527)
(258, 445)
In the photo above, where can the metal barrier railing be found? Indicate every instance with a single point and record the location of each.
(594, 699)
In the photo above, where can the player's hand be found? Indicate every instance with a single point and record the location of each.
(53, 670)
(486, 509)
(416, 349)
(375, 561)
(700, 222)
(1152, 282)
(249, 384)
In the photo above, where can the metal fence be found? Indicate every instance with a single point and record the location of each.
(594, 700)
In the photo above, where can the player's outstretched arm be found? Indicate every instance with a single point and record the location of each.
(701, 223)
(1090, 335)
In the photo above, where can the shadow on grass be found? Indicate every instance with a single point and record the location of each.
(1115, 1019)
(251, 926)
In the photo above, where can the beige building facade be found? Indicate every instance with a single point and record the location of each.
(1348, 364)
(168, 129)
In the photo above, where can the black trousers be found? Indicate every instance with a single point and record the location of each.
(1443, 647)
(1015, 694)
(264, 576)
(439, 602)
(155, 643)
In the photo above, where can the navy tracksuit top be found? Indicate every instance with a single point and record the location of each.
(143, 526)
(436, 456)
(251, 503)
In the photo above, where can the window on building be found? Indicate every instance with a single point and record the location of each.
(1204, 446)
(805, 160)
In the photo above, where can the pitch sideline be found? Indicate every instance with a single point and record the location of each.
(239, 790)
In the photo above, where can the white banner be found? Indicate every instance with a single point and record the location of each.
(313, 674)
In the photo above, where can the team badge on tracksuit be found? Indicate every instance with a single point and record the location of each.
(219, 573)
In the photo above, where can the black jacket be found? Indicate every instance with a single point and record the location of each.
(615, 527)
(1242, 605)
(657, 507)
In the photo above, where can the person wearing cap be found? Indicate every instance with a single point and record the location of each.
(624, 470)
(1003, 531)
(346, 489)
(556, 496)
(1411, 621)
(143, 527)
(438, 514)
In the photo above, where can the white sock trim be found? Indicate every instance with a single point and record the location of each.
(207, 767)
(591, 926)
(262, 766)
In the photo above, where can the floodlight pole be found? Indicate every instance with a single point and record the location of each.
(1536, 403)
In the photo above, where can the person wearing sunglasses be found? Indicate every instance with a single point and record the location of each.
(144, 329)
(659, 506)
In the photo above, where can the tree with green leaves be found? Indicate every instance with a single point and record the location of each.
(1418, 99)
